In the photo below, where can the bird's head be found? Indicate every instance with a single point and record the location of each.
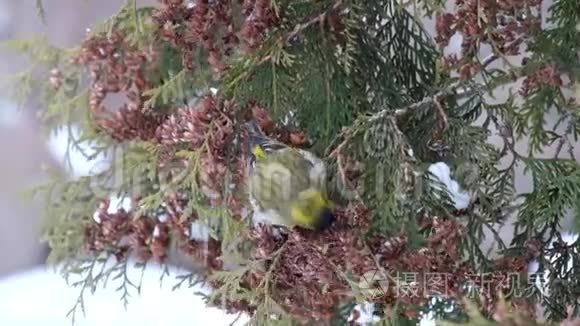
(258, 152)
(312, 210)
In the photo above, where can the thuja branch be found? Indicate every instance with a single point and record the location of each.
(283, 40)
(456, 89)
(318, 19)
(350, 132)
(265, 283)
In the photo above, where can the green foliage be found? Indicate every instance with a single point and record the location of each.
(555, 190)
(312, 71)
(176, 85)
(555, 193)
(130, 20)
(88, 274)
(404, 52)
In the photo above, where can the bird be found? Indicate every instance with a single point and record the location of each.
(287, 185)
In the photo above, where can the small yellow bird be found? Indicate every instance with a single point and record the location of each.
(287, 185)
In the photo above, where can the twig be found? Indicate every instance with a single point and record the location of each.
(489, 60)
(435, 98)
(380, 268)
(300, 28)
(237, 318)
(347, 133)
(276, 257)
(456, 89)
(342, 173)
(441, 113)
(561, 143)
(286, 39)
(463, 92)
(453, 89)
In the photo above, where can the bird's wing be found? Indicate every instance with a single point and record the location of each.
(316, 169)
(267, 216)
(277, 179)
